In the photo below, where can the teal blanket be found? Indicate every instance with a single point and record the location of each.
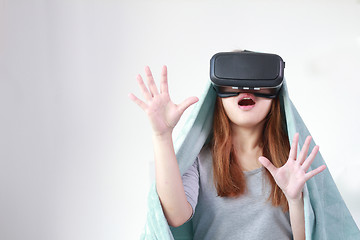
(326, 215)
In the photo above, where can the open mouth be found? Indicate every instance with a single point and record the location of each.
(246, 102)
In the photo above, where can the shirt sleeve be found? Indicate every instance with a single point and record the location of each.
(190, 181)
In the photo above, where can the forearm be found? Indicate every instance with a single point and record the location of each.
(169, 183)
(297, 219)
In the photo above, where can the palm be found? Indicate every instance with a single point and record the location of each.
(291, 177)
(162, 112)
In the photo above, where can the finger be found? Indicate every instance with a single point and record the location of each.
(293, 149)
(314, 172)
(143, 88)
(187, 103)
(310, 159)
(151, 83)
(268, 165)
(138, 101)
(304, 151)
(164, 81)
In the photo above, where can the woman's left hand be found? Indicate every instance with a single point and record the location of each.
(291, 177)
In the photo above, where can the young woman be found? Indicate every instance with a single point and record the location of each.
(237, 191)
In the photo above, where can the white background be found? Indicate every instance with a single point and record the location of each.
(75, 151)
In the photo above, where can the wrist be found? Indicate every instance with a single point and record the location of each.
(162, 136)
(296, 201)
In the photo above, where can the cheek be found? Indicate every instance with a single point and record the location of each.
(268, 104)
(265, 107)
(229, 107)
(227, 104)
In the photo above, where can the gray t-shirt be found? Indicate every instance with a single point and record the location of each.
(249, 216)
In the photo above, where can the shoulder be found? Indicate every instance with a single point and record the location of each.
(205, 152)
(205, 157)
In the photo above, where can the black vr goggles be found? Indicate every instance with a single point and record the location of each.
(261, 74)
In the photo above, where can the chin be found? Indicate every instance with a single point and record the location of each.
(250, 123)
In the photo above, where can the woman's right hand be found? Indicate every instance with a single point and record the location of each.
(162, 112)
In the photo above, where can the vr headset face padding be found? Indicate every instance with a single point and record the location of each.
(232, 73)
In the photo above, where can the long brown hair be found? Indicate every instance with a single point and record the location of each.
(228, 175)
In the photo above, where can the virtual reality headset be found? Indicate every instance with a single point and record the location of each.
(261, 74)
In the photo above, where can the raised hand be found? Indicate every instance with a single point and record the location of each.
(162, 112)
(292, 176)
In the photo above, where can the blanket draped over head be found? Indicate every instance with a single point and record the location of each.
(326, 215)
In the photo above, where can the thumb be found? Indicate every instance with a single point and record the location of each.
(267, 164)
(187, 103)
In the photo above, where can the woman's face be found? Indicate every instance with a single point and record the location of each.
(246, 110)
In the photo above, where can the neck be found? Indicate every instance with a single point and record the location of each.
(247, 139)
(247, 145)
